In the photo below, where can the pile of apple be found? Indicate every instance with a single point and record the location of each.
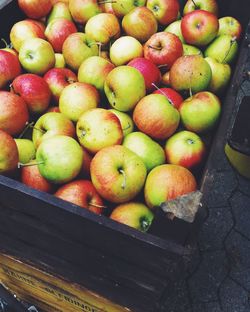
(106, 103)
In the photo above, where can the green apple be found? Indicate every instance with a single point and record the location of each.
(191, 50)
(26, 150)
(94, 71)
(98, 128)
(123, 7)
(77, 98)
(133, 214)
(230, 26)
(175, 28)
(60, 61)
(51, 124)
(36, 56)
(8, 153)
(125, 120)
(201, 112)
(124, 87)
(59, 159)
(223, 49)
(117, 173)
(221, 74)
(78, 47)
(125, 49)
(150, 151)
(83, 10)
(207, 5)
(59, 10)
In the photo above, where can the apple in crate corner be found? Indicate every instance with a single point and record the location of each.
(199, 27)
(13, 113)
(229, 25)
(26, 150)
(167, 182)
(165, 11)
(57, 79)
(117, 173)
(123, 7)
(207, 5)
(59, 159)
(10, 67)
(34, 90)
(35, 8)
(133, 214)
(83, 194)
(83, 10)
(8, 153)
(185, 148)
(37, 56)
(98, 128)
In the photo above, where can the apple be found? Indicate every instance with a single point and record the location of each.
(124, 87)
(13, 113)
(185, 148)
(59, 10)
(165, 11)
(190, 72)
(57, 79)
(83, 10)
(223, 49)
(133, 214)
(87, 158)
(156, 117)
(147, 149)
(165, 79)
(77, 98)
(207, 5)
(9, 67)
(103, 27)
(149, 70)
(163, 48)
(221, 74)
(26, 150)
(35, 8)
(83, 194)
(172, 96)
(57, 31)
(51, 124)
(8, 153)
(123, 7)
(229, 25)
(98, 128)
(140, 23)
(31, 176)
(200, 112)
(34, 90)
(54, 109)
(199, 27)
(106, 7)
(94, 71)
(60, 61)
(191, 50)
(23, 30)
(77, 48)
(59, 159)
(117, 173)
(124, 50)
(167, 182)
(175, 28)
(125, 120)
(36, 56)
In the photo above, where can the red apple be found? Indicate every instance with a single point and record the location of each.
(186, 149)
(163, 48)
(199, 27)
(172, 96)
(34, 90)
(35, 8)
(57, 31)
(13, 113)
(83, 194)
(149, 70)
(57, 79)
(8, 153)
(167, 182)
(10, 67)
(31, 176)
(156, 117)
(165, 11)
(23, 30)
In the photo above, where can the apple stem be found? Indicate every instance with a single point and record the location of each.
(28, 125)
(6, 44)
(163, 65)
(190, 92)
(32, 163)
(126, 128)
(155, 47)
(195, 5)
(97, 206)
(104, 2)
(228, 51)
(154, 85)
(124, 178)
(71, 80)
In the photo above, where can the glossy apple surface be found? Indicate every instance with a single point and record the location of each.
(172, 96)
(165, 11)
(26, 150)
(8, 153)
(35, 8)
(229, 25)
(9, 67)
